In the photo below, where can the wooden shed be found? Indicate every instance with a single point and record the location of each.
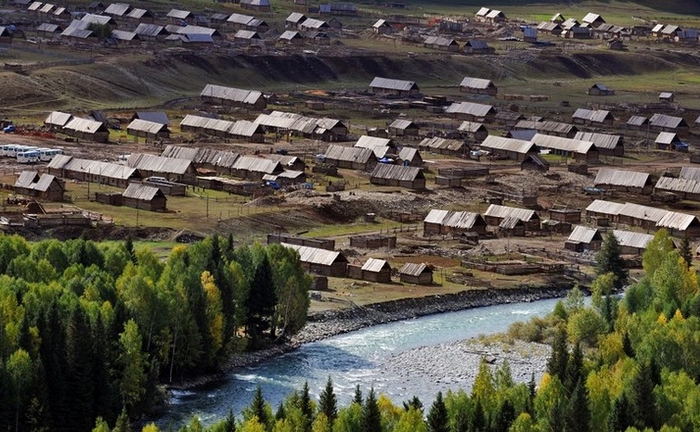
(624, 180)
(321, 261)
(444, 146)
(495, 214)
(669, 141)
(87, 129)
(230, 96)
(393, 87)
(607, 145)
(667, 123)
(515, 149)
(410, 156)
(376, 270)
(632, 243)
(568, 147)
(471, 111)
(373, 241)
(44, 187)
(402, 127)
(144, 197)
(534, 162)
(148, 129)
(439, 222)
(583, 238)
(350, 157)
(419, 274)
(398, 175)
(600, 90)
(478, 86)
(474, 132)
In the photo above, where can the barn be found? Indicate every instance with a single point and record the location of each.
(579, 150)
(667, 123)
(393, 87)
(230, 96)
(148, 129)
(179, 170)
(473, 131)
(670, 141)
(350, 157)
(44, 187)
(418, 274)
(583, 238)
(87, 129)
(624, 180)
(607, 145)
(439, 222)
(478, 86)
(398, 175)
(632, 243)
(376, 270)
(321, 261)
(495, 214)
(471, 111)
(512, 148)
(593, 117)
(402, 127)
(144, 197)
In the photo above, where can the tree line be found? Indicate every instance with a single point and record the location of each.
(629, 363)
(90, 330)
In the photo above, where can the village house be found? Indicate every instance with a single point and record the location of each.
(246, 37)
(567, 147)
(373, 241)
(152, 116)
(666, 97)
(683, 188)
(403, 128)
(258, 5)
(393, 87)
(600, 90)
(481, 14)
(350, 157)
(583, 239)
(666, 123)
(440, 222)
(478, 86)
(547, 127)
(410, 156)
(534, 162)
(291, 37)
(496, 214)
(69, 167)
(321, 261)
(380, 146)
(670, 141)
(57, 120)
(680, 224)
(178, 170)
(578, 32)
(314, 242)
(87, 129)
(373, 270)
(474, 132)
(294, 20)
(141, 15)
(148, 129)
(255, 168)
(177, 16)
(607, 145)
(593, 117)
(632, 243)
(623, 180)
(151, 32)
(477, 47)
(593, 20)
(44, 187)
(398, 175)
(382, 27)
(471, 111)
(441, 43)
(144, 197)
(230, 96)
(511, 148)
(495, 16)
(603, 212)
(639, 123)
(508, 118)
(418, 274)
(553, 28)
(445, 146)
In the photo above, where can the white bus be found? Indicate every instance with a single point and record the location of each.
(14, 151)
(46, 154)
(5, 149)
(29, 156)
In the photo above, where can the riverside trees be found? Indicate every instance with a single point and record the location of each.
(88, 330)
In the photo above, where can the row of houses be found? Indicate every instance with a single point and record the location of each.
(508, 220)
(239, 129)
(686, 186)
(584, 238)
(520, 150)
(325, 129)
(649, 218)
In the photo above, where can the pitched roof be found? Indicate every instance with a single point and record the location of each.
(468, 126)
(178, 14)
(257, 164)
(642, 212)
(118, 9)
(500, 211)
(141, 192)
(508, 144)
(477, 83)
(104, 169)
(615, 177)
(470, 108)
(314, 255)
(393, 84)
(237, 18)
(397, 172)
(408, 153)
(349, 154)
(685, 185)
(147, 29)
(85, 125)
(677, 221)
(402, 124)
(26, 179)
(246, 34)
(583, 234)
(414, 269)
(637, 120)
(296, 17)
(692, 173)
(438, 143)
(666, 138)
(231, 93)
(453, 219)
(663, 120)
(146, 126)
(633, 239)
(564, 144)
(591, 18)
(605, 207)
(595, 116)
(153, 116)
(149, 162)
(58, 118)
(290, 34)
(604, 141)
(375, 265)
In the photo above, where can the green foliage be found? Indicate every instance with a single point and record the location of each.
(101, 30)
(371, 420)
(609, 260)
(328, 403)
(437, 416)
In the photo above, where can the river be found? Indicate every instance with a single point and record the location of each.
(349, 359)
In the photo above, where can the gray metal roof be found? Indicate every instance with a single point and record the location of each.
(685, 185)
(44, 182)
(615, 177)
(244, 128)
(58, 118)
(453, 219)
(46, 8)
(153, 116)
(118, 9)
(76, 32)
(564, 144)
(442, 144)
(241, 19)
(367, 141)
(48, 28)
(548, 26)
(138, 13)
(124, 35)
(508, 144)
(231, 93)
(591, 18)
(146, 126)
(657, 28)
(642, 212)
(476, 83)
(26, 179)
(246, 34)
(153, 30)
(178, 152)
(546, 126)
(605, 207)
(85, 125)
(509, 115)
(493, 13)
(408, 153)
(380, 23)
(349, 154)
(666, 138)
(510, 222)
(392, 84)
(633, 239)
(439, 41)
(483, 12)
(471, 127)
(470, 108)
(178, 14)
(312, 23)
(670, 29)
(397, 172)
(637, 120)
(197, 121)
(595, 116)
(692, 173)
(500, 211)
(414, 269)
(141, 192)
(663, 120)
(87, 166)
(375, 265)
(600, 140)
(296, 17)
(153, 163)
(35, 6)
(257, 164)
(402, 124)
(193, 29)
(677, 221)
(584, 234)
(314, 255)
(289, 35)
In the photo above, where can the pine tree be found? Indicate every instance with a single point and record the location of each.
(574, 369)
(685, 252)
(258, 408)
(556, 365)
(478, 418)
(371, 416)
(306, 407)
(504, 417)
(627, 345)
(229, 424)
(413, 403)
(122, 424)
(261, 300)
(620, 418)
(641, 398)
(609, 260)
(437, 416)
(358, 395)
(328, 403)
(129, 246)
(578, 415)
(281, 413)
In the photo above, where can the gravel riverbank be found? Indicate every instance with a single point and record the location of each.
(327, 324)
